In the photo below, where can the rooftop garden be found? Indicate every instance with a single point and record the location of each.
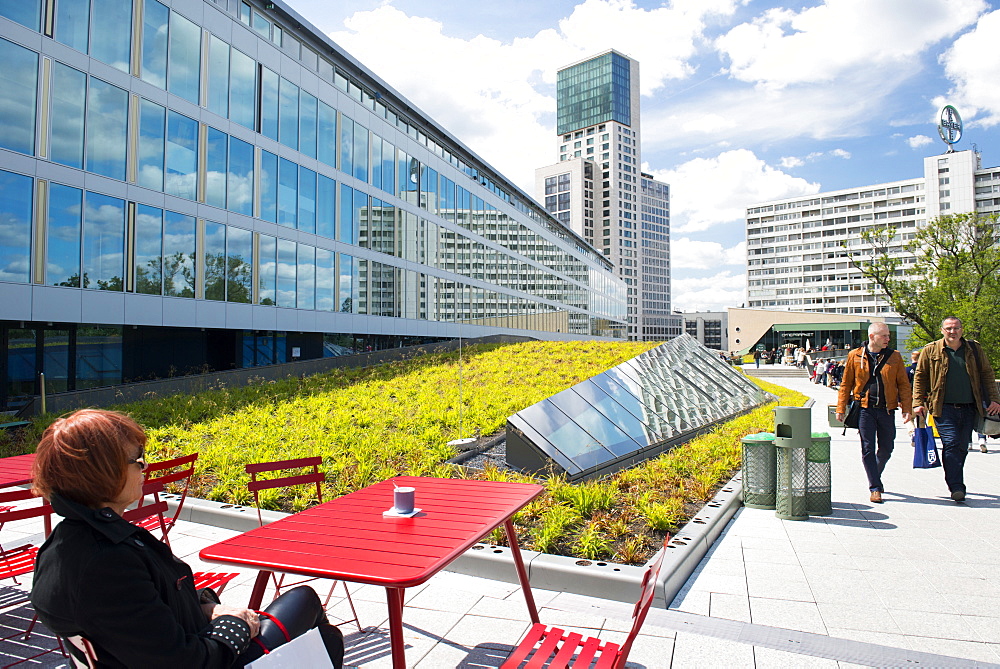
(374, 423)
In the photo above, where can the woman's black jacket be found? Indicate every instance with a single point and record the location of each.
(100, 577)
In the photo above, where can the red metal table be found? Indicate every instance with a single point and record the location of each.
(349, 539)
(16, 470)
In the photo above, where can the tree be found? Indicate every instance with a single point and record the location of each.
(956, 272)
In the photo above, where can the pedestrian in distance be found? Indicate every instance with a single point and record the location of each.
(912, 367)
(821, 372)
(954, 382)
(836, 375)
(875, 375)
(756, 358)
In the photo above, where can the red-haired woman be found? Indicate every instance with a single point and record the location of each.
(115, 585)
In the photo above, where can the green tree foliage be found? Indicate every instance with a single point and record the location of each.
(956, 273)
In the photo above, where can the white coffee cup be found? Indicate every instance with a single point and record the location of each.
(403, 499)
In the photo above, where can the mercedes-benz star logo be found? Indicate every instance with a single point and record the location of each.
(950, 127)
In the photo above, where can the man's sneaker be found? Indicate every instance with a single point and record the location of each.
(958, 495)
(876, 496)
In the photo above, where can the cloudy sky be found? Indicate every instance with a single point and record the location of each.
(742, 100)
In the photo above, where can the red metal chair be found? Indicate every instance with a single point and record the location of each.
(554, 648)
(315, 477)
(150, 516)
(175, 470)
(20, 560)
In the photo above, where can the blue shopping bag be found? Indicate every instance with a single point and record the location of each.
(925, 455)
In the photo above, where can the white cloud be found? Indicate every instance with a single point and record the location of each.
(497, 97)
(972, 64)
(714, 293)
(794, 161)
(686, 253)
(661, 39)
(741, 115)
(707, 191)
(917, 141)
(840, 38)
(487, 96)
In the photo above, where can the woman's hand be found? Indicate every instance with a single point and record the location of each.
(251, 618)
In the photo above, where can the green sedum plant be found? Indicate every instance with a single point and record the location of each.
(375, 423)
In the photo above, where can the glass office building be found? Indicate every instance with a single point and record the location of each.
(594, 91)
(599, 191)
(210, 184)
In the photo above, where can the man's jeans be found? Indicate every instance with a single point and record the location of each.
(876, 425)
(954, 425)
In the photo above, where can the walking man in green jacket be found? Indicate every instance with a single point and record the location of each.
(954, 382)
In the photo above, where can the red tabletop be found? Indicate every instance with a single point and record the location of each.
(16, 470)
(349, 539)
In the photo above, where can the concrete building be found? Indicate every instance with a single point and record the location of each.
(711, 328)
(212, 184)
(776, 328)
(799, 249)
(598, 190)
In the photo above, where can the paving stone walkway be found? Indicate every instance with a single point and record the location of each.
(918, 572)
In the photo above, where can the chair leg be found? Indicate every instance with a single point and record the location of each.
(27, 632)
(278, 581)
(59, 647)
(357, 621)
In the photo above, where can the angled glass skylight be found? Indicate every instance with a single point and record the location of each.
(631, 412)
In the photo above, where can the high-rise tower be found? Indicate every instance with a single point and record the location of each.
(597, 187)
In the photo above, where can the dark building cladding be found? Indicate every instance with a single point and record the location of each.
(77, 357)
(192, 185)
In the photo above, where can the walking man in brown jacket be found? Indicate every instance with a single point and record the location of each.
(954, 382)
(889, 389)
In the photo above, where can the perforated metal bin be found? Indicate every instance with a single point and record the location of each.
(792, 440)
(818, 479)
(759, 467)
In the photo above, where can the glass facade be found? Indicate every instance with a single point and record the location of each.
(226, 181)
(595, 91)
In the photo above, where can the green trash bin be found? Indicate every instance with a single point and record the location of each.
(818, 502)
(792, 442)
(759, 465)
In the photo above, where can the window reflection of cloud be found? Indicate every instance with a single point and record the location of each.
(15, 270)
(240, 192)
(286, 270)
(154, 43)
(150, 176)
(18, 77)
(107, 111)
(181, 156)
(215, 188)
(69, 88)
(181, 185)
(14, 231)
(185, 49)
